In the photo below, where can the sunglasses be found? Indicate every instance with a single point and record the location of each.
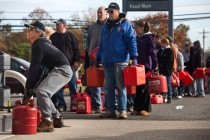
(110, 11)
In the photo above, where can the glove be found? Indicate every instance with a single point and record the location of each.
(134, 62)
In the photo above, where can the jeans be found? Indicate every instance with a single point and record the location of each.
(199, 86)
(55, 80)
(169, 93)
(130, 100)
(175, 92)
(114, 79)
(95, 94)
(58, 98)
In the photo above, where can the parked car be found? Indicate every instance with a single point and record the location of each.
(21, 66)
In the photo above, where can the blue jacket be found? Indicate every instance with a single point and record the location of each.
(117, 45)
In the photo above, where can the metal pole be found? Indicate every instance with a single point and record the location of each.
(124, 6)
(170, 29)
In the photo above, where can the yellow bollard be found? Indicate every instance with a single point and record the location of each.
(8, 105)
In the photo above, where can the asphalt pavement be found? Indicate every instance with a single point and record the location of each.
(183, 119)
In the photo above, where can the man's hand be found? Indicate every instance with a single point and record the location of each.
(76, 65)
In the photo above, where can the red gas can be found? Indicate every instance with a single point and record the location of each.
(95, 77)
(39, 116)
(186, 78)
(73, 102)
(131, 89)
(175, 82)
(103, 108)
(134, 75)
(93, 53)
(24, 120)
(84, 104)
(157, 84)
(156, 99)
(199, 73)
(208, 71)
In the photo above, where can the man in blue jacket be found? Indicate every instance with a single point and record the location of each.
(117, 47)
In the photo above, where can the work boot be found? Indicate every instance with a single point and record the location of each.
(45, 126)
(108, 115)
(144, 113)
(58, 122)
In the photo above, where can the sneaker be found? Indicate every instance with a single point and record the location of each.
(62, 109)
(123, 115)
(58, 122)
(108, 115)
(134, 113)
(96, 110)
(179, 97)
(144, 113)
(45, 126)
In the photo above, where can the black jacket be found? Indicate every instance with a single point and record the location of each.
(165, 61)
(44, 54)
(66, 43)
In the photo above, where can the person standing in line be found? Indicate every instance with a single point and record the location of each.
(197, 61)
(67, 43)
(147, 57)
(165, 63)
(93, 39)
(158, 42)
(44, 54)
(186, 55)
(180, 67)
(49, 31)
(117, 47)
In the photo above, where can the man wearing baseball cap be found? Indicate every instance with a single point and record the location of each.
(67, 43)
(44, 54)
(117, 47)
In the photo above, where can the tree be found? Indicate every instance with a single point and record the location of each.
(159, 25)
(41, 15)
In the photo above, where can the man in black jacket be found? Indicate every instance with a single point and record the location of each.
(67, 43)
(197, 61)
(44, 54)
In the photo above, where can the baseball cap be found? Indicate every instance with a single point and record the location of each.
(113, 5)
(37, 24)
(60, 21)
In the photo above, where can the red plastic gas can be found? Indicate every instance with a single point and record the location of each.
(208, 71)
(186, 78)
(84, 104)
(131, 89)
(93, 53)
(95, 77)
(157, 84)
(134, 75)
(24, 120)
(39, 116)
(73, 102)
(199, 73)
(156, 99)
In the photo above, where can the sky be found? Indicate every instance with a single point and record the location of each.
(64, 8)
